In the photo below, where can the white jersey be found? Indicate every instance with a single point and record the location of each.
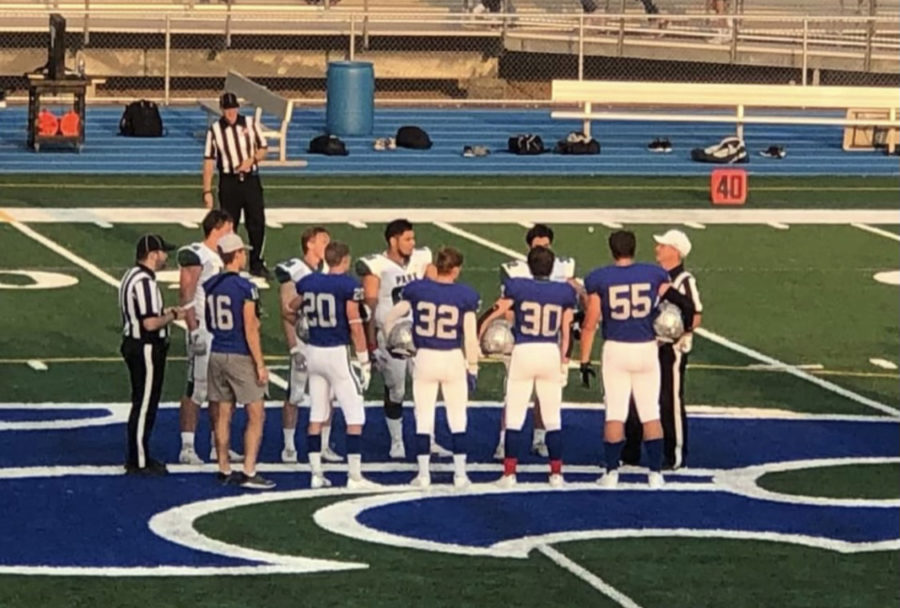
(393, 277)
(198, 254)
(295, 269)
(563, 270)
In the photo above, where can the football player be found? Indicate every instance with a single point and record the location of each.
(445, 335)
(625, 295)
(539, 235)
(198, 262)
(542, 317)
(313, 242)
(331, 304)
(384, 275)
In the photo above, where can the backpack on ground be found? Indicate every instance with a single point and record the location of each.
(526, 144)
(329, 145)
(413, 137)
(577, 143)
(141, 119)
(728, 151)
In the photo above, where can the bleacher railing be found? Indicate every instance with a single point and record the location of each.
(440, 57)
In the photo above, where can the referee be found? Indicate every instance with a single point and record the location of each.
(145, 343)
(671, 250)
(235, 145)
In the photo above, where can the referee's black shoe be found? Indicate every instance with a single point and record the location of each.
(261, 271)
(154, 468)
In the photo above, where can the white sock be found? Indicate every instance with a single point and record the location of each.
(187, 440)
(326, 437)
(289, 439)
(212, 441)
(315, 462)
(502, 439)
(395, 428)
(250, 473)
(424, 464)
(459, 465)
(354, 465)
(539, 436)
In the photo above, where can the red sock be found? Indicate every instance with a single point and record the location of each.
(555, 467)
(509, 466)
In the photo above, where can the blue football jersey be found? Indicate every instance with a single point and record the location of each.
(226, 294)
(538, 306)
(325, 298)
(438, 310)
(628, 299)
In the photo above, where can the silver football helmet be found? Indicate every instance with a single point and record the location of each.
(400, 340)
(668, 325)
(301, 327)
(498, 338)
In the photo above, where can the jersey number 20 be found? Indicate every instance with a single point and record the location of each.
(320, 309)
(437, 321)
(630, 301)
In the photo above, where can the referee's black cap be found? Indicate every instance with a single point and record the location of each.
(151, 242)
(228, 100)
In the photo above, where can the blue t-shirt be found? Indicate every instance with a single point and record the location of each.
(325, 298)
(538, 307)
(438, 310)
(628, 299)
(226, 294)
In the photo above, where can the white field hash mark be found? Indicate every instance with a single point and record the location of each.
(709, 335)
(589, 577)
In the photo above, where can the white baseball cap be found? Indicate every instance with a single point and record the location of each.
(231, 242)
(676, 239)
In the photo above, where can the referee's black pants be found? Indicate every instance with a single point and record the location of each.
(236, 195)
(672, 365)
(146, 363)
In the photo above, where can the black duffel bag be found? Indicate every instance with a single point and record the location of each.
(413, 137)
(329, 145)
(526, 144)
(141, 119)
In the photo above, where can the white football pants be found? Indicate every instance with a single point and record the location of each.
(534, 367)
(444, 370)
(631, 368)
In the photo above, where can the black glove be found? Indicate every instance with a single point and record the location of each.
(587, 372)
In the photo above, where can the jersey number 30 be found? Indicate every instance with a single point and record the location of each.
(540, 320)
(630, 301)
(320, 309)
(437, 321)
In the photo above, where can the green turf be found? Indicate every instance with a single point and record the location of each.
(847, 481)
(468, 191)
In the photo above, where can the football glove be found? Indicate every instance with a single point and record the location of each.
(472, 381)
(198, 345)
(587, 372)
(363, 369)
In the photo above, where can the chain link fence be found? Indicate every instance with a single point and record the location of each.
(455, 57)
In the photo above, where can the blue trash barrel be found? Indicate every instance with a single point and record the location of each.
(350, 93)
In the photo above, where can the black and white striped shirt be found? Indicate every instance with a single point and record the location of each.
(140, 298)
(685, 283)
(230, 145)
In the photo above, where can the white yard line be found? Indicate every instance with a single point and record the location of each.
(713, 337)
(878, 231)
(590, 216)
(589, 577)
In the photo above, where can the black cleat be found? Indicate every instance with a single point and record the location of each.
(660, 145)
(257, 482)
(261, 271)
(774, 152)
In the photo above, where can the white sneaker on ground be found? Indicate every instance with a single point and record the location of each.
(500, 451)
(507, 481)
(461, 482)
(361, 483)
(655, 480)
(189, 456)
(289, 456)
(319, 481)
(398, 450)
(329, 455)
(421, 482)
(233, 456)
(609, 480)
(440, 451)
(556, 480)
(540, 449)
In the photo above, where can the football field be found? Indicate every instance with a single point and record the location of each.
(791, 496)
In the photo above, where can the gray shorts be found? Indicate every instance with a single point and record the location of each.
(232, 378)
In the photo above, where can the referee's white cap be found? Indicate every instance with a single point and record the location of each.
(676, 239)
(231, 243)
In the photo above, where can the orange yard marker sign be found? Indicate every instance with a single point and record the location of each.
(728, 187)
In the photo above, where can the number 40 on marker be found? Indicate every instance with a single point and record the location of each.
(728, 187)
